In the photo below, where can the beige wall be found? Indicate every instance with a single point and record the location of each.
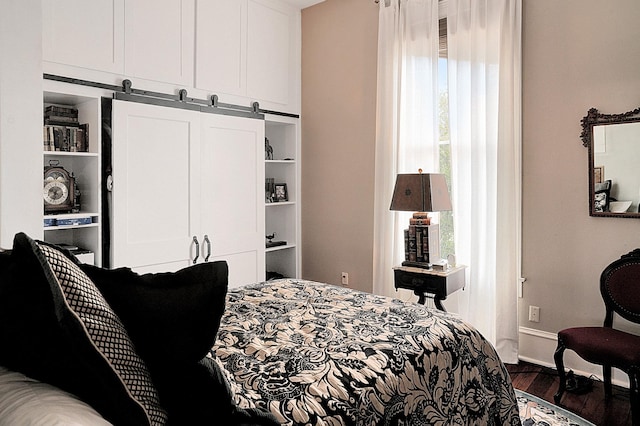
(577, 54)
(339, 44)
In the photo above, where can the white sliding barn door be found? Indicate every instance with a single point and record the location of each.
(180, 174)
(155, 207)
(232, 194)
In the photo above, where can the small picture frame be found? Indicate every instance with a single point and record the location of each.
(281, 192)
(598, 174)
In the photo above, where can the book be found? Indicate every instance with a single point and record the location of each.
(65, 138)
(74, 221)
(413, 251)
(68, 246)
(406, 244)
(61, 120)
(270, 244)
(61, 110)
(419, 245)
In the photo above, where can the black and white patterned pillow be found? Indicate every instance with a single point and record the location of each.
(601, 201)
(88, 317)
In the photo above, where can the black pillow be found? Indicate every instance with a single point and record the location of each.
(198, 394)
(56, 327)
(5, 266)
(172, 318)
(5, 260)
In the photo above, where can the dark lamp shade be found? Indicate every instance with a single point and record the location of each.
(421, 192)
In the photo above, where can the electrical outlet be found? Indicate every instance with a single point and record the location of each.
(534, 313)
(345, 278)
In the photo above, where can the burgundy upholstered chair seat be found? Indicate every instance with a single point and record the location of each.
(606, 346)
(601, 345)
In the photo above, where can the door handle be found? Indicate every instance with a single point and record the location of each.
(208, 243)
(195, 241)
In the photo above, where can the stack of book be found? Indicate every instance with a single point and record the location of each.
(421, 241)
(60, 115)
(62, 131)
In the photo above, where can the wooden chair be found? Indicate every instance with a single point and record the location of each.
(606, 346)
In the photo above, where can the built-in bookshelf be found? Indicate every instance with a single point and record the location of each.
(75, 146)
(282, 215)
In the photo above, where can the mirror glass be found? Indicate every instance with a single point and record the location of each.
(614, 163)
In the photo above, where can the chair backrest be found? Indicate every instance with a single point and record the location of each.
(620, 288)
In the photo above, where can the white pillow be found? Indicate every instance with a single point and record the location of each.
(26, 401)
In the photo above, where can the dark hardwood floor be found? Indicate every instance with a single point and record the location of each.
(543, 383)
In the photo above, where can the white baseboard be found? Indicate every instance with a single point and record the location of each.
(537, 347)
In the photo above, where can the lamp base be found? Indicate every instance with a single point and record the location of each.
(422, 265)
(421, 245)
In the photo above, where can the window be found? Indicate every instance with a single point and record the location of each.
(447, 245)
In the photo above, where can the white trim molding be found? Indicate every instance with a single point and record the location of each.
(538, 347)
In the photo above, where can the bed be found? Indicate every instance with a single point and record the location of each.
(314, 353)
(290, 352)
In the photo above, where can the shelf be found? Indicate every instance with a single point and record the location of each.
(69, 154)
(72, 215)
(64, 227)
(62, 216)
(278, 248)
(292, 162)
(280, 203)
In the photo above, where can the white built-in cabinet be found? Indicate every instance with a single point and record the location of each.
(283, 218)
(180, 175)
(85, 167)
(241, 50)
(187, 188)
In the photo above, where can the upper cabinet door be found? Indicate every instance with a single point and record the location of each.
(273, 62)
(221, 40)
(86, 34)
(249, 49)
(159, 37)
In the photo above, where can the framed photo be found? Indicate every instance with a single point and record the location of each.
(281, 192)
(598, 174)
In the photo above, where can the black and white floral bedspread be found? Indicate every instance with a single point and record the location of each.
(317, 354)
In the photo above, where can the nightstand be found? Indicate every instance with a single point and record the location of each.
(427, 281)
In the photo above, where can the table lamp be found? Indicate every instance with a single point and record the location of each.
(421, 193)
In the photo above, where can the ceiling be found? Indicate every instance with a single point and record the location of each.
(303, 3)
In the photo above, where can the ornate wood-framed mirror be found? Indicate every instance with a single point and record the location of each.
(613, 141)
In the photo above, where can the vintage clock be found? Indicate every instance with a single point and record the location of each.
(59, 190)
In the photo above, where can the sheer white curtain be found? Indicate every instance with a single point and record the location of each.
(484, 46)
(407, 119)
